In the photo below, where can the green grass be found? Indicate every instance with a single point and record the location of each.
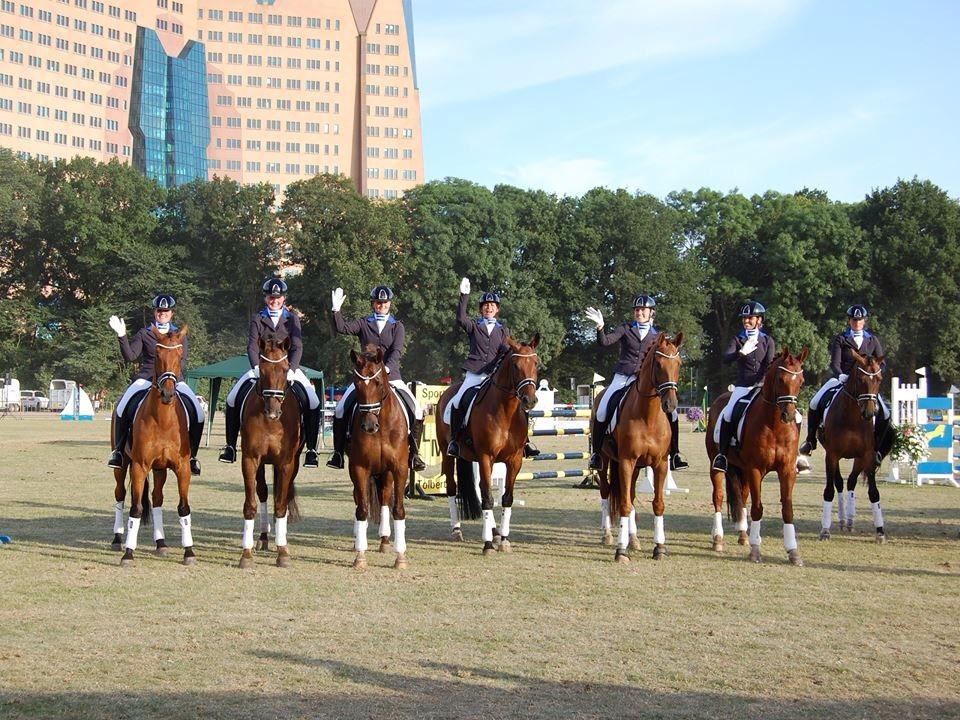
(555, 629)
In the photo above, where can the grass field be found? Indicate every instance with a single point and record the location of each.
(555, 629)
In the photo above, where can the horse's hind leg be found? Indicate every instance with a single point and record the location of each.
(756, 512)
(659, 483)
(183, 511)
(606, 535)
(447, 467)
(634, 542)
(716, 479)
(834, 479)
(159, 479)
(873, 492)
(396, 479)
(119, 495)
(138, 476)
(788, 478)
(513, 467)
(486, 503)
(851, 498)
(281, 512)
(253, 477)
(263, 509)
(386, 498)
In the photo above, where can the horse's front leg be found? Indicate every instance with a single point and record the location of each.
(360, 476)
(251, 469)
(282, 474)
(873, 492)
(138, 476)
(513, 468)
(717, 480)
(263, 508)
(447, 468)
(183, 510)
(156, 497)
(660, 469)
(833, 485)
(624, 479)
(485, 463)
(606, 535)
(753, 479)
(386, 504)
(393, 496)
(787, 475)
(119, 495)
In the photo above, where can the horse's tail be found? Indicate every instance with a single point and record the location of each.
(293, 509)
(613, 482)
(146, 514)
(468, 500)
(734, 496)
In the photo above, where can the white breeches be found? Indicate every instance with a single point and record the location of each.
(398, 384)
(818, 396)
(737, 393)
(619, 380)
(141, 384)
(298, 377)
(470, 380)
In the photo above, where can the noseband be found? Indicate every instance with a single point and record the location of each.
(163, 377)
(268, 392)
(785, 399)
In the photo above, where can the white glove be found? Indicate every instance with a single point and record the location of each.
(749, 346)
(256, 371)
(336, 299)
(465, 286)
(291, 375)
(843, 377)
(118, 325)
(595, 316)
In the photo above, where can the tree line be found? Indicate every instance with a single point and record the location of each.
(81, 240)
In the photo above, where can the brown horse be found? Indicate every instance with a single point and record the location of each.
(379, 453)
(497, 430)
(770, 440)
(848, 432)
(641, 438)
(159, 442)
(270, 433)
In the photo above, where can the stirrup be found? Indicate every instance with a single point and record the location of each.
(878, 457)
(310, 459)
(808, 447)
(227, 454)
(335, 461)
(595, 462)
(115, 460)
(453, 449)
(530, 450)
(677, 462)
(417, 463)
(719, 463)
(194, 466)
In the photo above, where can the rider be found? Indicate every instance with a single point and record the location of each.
(277, 321)
(488, 344)
(382, 330)
(635, 340)
(856, 338)
(753, 351)
(143, 345)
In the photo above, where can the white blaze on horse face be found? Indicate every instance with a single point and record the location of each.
(247, 542)
(789, 537)
(133, 529)
(157, 514)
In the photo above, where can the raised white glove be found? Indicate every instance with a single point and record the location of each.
(118, 325)
(256, 371)
(595, 316)
(291, 374)
(749, 346)
(465, 286)
(843, 377)
(336, 299)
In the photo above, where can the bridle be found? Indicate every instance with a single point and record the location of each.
(163, 377)
(660, 389)
(375, 407)
(864, 397)
(266, 393)
(520, 385)
(784, 399)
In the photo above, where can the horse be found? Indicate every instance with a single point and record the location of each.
(158, 441)
(497, 430)
(270, 433)
(848, 432)
(771, 436)
(378, 454)
(641, 438)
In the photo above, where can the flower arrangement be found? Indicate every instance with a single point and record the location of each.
(694, 414)
(909, 443)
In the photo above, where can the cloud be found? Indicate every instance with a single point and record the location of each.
(507, 46)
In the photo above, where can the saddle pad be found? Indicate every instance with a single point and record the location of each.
(737, 417)
(616, 401)
(470, 396)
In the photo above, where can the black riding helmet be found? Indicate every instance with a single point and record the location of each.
(858, 312)
(752, 307)
(381, 293)
(164, 301)
(274, 287)
(490, 297)
(644, 301)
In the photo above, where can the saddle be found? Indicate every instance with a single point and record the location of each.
(298, 392)
(826, 402)
(737, 416)
(350, 410)
(133, 407)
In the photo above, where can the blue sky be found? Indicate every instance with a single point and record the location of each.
(659, 95)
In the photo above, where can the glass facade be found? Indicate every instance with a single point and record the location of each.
(169, 118)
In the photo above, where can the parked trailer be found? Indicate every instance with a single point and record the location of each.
(59, 394)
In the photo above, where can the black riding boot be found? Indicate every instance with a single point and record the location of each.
(196, 435)
(676, 459)
(456, 419)
(228, 453)
(726, 437)
(311, 428)
(597, 432)
(529, 449)
(814, 418)
(339, 443)
(121, 428)
(882, 437)
(416, 433)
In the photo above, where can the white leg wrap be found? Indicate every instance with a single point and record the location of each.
(157, 514)
(841, 503)
(118, 526)
(851, 505)
(280, 531)
(877, 515)
(454, 513)
(624, 538)
(742, 522)
(186, 535)
(604, 514)
(755, 532)
(264, 514)
(659, 537)
(789, 537)
(487, 526)
(400, 541)
(633, 521)
(505, 522)
(360, 535)
(384, 521)
(827, 519)
(718, 524)
(247, 542)
(133, 529)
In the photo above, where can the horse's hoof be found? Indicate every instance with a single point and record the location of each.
(881, 538)
(488, 548)
(117, 542)
(189, 560)
(824, 534)
(659, 550)
(607, 538)
(360, 562)
(246, 560)
(283, 557)
(743, 538)
(504, 546)
(401, 562)
(127, 559)
(795, 558)
(634, 543)
(755, 554)
(717, 543)
(456, 535)
(161, 549)
(621, 556)
(263, 543)
(385, 545)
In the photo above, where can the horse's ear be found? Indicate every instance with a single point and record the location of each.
(379, 355)
(512, 344)
(803, 354)
(285, 345)
(880, 359)
(857, 356)
(536, 341)
(678, 339)
(354, 358)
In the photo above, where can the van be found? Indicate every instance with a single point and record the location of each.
(10, 394)
(59, 393)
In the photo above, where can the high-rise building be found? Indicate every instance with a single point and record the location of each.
(257, 90)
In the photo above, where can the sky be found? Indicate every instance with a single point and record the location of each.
(844, 96)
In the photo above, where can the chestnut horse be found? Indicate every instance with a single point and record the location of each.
(159, 441)
(848, 432)
(270, 433)
(379, 453)
(641, 438)
(771, 436)
(497, 431)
